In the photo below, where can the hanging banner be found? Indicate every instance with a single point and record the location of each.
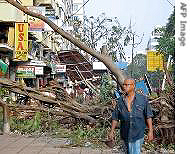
(21, 42)
(25, 72)
(155, 61)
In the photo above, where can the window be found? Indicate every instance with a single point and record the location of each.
(75, 7)
(75, 18)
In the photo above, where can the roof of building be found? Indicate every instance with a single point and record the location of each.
(77, 66)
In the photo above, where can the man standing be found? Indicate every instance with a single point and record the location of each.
(133, 111)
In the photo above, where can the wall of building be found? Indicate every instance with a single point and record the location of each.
(10, 13)
(44, 43)
(79, 15)
(27, 2)
(155, 35)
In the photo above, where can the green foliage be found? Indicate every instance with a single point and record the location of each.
(170, 26)
(156, 78)
(106, 31)
(80, 99)
(117, 40)
(40, 122)
(80, 135)
(127, 40)
(167, 43)
(153, 146)
(3, 92)
(139, 70)
(153, 96)
(150, 146)
(26, 125)
(171, 146)
(106, 89)
(37, 121)
(167, 40)
(139, 66)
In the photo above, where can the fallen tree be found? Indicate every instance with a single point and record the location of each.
(72, 107)
(76, 108)
(164, 120)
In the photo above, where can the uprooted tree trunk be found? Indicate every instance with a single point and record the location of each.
(89, 115)
(69, 106)
(6, 125)
(164, 122)
(103, 58)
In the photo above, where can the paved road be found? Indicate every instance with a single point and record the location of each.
(42, 145)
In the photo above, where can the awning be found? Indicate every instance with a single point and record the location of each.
(5, 48)
(3, 68)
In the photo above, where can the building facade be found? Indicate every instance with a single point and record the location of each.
(155, 35)
(78, 10)
(43, 43)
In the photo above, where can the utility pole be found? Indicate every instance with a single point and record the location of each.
(132, 54)
(134, 45)
(164, 80)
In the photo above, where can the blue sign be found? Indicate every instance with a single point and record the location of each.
(141, 87)
(121, 65)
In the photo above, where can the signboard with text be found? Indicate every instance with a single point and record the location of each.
(25, 72)
(21, 42)
(99, 66)
(155, 60)
(60, 68)
(39, 70)
(35, 63)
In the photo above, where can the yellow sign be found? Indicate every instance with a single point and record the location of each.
(155, 61)
(21, 42)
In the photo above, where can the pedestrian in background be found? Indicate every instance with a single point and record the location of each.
(133, 111)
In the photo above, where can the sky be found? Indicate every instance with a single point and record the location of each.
(144, 15)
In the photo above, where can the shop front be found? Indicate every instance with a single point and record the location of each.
(34, 73)
(25, 75)
(5, 57)
(60, 75)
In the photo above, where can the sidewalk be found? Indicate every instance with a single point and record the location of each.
(45, 145)
(42, 145)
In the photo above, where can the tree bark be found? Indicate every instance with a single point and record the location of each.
(74, 114)
(103, 58)
(32, 93)
(73, 108)
(6, 125)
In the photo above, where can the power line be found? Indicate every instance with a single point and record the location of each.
(80, 8)
(170, 3)
(76, 11)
